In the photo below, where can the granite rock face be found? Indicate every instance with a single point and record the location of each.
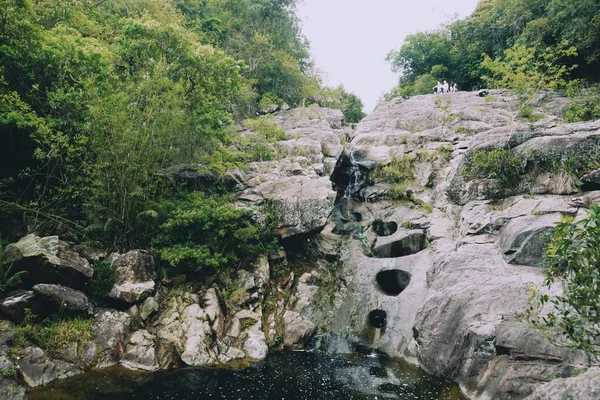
(439, 274)
(136, 271)
(38, 369)
(47, 260)
(582, 387)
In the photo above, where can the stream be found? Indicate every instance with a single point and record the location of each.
(285, 375)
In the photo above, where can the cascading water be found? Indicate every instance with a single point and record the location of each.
(351, 179)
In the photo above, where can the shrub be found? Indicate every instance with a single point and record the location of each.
(399, 170)
(269, 131)
(201, 231)
(572, 258)
(105, 277)
(494, 164)
(586, 104)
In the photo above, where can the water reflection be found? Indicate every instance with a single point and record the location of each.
(291, 375)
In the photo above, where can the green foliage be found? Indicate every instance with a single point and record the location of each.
(527, 71)
(96, 98)
(586, 102)
(105, 277)
(399, 170)
(55, 335)
(494, 164)
(201, 231)
(445, 152)
(340, 99)
(269, 131)
(497, 26)
(572, 260)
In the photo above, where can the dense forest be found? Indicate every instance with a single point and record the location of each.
(98, 97)
(515, 32)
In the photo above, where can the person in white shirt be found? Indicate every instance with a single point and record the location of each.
(445, 87)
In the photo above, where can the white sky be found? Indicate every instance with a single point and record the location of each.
(349, 39)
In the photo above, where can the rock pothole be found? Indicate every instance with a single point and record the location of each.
(402, 245)
(392, 282)
(384, 228)
(378, 319)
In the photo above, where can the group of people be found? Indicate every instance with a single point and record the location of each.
(445, 88)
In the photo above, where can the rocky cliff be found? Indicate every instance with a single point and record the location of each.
(393, 232)
(437, 260)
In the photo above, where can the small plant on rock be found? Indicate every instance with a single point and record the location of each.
(494, 164)
(105, 277)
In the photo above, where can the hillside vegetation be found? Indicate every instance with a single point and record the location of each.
(96, 97)
(556, 38)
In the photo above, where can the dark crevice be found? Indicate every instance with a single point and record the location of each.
(384, 228)
(393, 282)
(405, 246)
(378, 319)
(502, 351)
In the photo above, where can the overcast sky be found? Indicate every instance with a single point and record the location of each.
(349, 39)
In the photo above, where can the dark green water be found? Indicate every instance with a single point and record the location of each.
(289, 376)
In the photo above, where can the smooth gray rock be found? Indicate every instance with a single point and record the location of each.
(140, 353)
(59, 298)
(297, 330)
(523, 240)
(582, 387)
(47, 260)
(38, 369)
(149, 307)
(301, 204)
(136, 271)
(466, 329)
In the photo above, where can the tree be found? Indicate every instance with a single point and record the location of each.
(527, 71)
(572, 262)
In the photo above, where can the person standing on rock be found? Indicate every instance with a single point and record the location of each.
(445, 87)
(436, 88)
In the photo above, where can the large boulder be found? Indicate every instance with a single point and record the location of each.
(47, 260)
(57, 298)
(136, 271)
(38, 369)
(301, 204)
(186, 325)
(466, 330)
(297, 330)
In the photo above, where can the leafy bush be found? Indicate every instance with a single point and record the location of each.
(494, 164)
(586, 104)
(105, 277)
(399, 170)
(209, 232)
(572, 259)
